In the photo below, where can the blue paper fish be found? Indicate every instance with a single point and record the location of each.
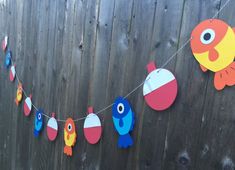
(123, 120)
(38, 122)
(8, 59)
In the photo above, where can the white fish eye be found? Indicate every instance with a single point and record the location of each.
(120, 108)
(39, 116)
(69, 127)
(207, 36)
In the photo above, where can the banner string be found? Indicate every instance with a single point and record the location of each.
(132, 91)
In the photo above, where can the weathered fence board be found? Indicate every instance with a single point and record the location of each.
(71, 54)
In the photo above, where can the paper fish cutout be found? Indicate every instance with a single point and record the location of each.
(28, 105)
(38, 122)
(92, 127)
(8, 59)
(160, 88)
(12, 73)
(19, 94)
(212, 45)
(69, 136)
(4, 43)
(52, 128)
(123, 120)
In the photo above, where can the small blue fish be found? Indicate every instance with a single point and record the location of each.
(123, 120)
(8, 59)
(38, 122)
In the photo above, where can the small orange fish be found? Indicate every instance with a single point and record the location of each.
(69, 136)
(19, 94)
(212, 45)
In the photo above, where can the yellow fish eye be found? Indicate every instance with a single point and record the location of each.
(69, 127)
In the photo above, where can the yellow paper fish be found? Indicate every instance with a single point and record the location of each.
(213, 46)
(19, 94)
(69, 136)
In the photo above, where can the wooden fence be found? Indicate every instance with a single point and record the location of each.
(71, 54)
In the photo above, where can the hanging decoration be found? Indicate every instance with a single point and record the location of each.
(19, 94)
(38, 122)
(123, 120)
(28, 105)
(69, 136)
(92, 127)
(160, 88)
(212, 45)
(4, 43)
(12, 73)
(52, 128)
(8, 59)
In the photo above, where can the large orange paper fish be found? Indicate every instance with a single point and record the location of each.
(69, 136)
(213, 46)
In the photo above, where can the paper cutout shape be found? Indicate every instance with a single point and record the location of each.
(92, 127)
(19, 94)
(38, 122)
(8, 59)
(123, 120)
(12, 73)
(28, 105)
(69, 136)
(52, 128)
(160, 88)
(4, 43)
(212, 45)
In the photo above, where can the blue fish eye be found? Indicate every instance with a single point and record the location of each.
(120, 108)
(39, 116)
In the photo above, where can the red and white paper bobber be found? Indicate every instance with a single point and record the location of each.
(4, 43)
(28, 105)
(92, 127)
(160, 88)
(52, 128)
(12, 73)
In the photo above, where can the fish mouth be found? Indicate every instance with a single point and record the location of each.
(213, 55)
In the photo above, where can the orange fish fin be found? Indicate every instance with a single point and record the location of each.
(219, 83)
(204, 69)
(68, 150)
(225, 77)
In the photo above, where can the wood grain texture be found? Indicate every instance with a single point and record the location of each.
(71, 54)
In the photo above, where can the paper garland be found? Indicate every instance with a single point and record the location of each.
(19, 94)
(160, 88)
(4, 43)
(69, 136)
(8, 59)
(123, 120)
(52, 128)
(12, 73)
(212, 45)
(28, 105)
(38, 122)
(92, 127)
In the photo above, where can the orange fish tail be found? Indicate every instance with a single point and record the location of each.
(68, 150)
(225, 77)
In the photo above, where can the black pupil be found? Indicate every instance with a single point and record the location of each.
(207, 36)
(69, 127)
(120, 108)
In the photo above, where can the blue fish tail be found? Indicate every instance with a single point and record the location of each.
(36, 133)
(125, 141)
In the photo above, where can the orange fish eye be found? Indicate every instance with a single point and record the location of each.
(69, 127)
(207, 36)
